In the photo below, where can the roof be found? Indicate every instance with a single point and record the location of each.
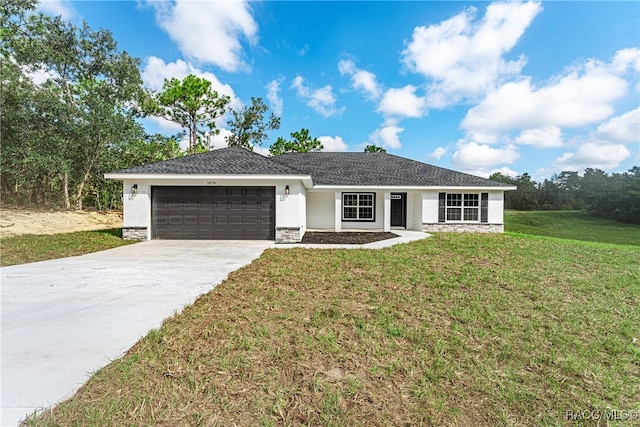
(331, 169)
(232, 160)
(377, 169)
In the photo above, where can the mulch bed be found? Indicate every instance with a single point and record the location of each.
(346, 238)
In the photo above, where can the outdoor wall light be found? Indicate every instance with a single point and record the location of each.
(286, 190)
(134, 189)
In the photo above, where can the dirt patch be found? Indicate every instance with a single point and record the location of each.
(346, 237)
(16, 222)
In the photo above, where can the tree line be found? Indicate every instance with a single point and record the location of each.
(613, 196)
(59, 136)
(61, 132)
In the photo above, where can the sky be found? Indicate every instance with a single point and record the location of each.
(480, 87)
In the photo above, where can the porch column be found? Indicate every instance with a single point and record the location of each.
(387, 212)
(338, 212)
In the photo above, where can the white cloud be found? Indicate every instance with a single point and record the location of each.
(482, 157)
(262, 150)
(625, 59)
(387, 136)
(209, 32)
(594, 154)
(624, 129)
(164, 124)
(464, 58)
(219, 140)
(273, 91)
(547, 137)
(347, 67)
(299, 85)
(361, 80)
(320, 100)
(331, 143)
(402, 102)
(582, 95)
(62, 8)
(40, 74)
(438, 153)
(504, 171)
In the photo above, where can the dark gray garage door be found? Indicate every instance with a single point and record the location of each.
(213, 213)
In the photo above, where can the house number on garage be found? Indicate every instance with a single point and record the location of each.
(211, 183)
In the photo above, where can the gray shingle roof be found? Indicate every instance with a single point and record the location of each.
(225, 161)
(371, 169)
(365, 169)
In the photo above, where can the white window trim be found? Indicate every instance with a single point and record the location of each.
(358, 219)
(463, 208)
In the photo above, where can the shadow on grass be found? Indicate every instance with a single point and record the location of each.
(116, 232)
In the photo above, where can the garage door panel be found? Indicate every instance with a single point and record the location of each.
(213, 212)
(236, 219)
(206, 220)
(190, 220)
(175, 220)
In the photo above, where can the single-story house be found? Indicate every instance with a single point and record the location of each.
(234, 193)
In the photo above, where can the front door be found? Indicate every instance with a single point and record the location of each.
(398, 209)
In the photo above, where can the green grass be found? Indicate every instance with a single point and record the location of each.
(574, 225)
(32, 248)
(458, 329)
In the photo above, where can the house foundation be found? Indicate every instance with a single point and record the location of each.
(463, 228)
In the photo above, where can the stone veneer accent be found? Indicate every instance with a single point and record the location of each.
(462, 227)
(134, 233)
(288, 234)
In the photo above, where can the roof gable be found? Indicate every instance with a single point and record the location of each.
(377, 169)
(232, 160)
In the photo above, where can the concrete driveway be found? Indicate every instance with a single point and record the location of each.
(64, 319)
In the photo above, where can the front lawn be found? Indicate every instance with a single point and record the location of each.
(457, 329)
(575, 225)
(32, 248)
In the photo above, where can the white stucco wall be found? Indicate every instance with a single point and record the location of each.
(495, 207)
(320, 210)
(136, 206)
(290, 210)
(378, 224)
(414, 211)
(307, 208)
(429, 206)
(323, 207)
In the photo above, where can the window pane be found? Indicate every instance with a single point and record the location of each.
(358, 206)
(454, 199)
(471, 214)
(350, 213)
(350, 200)
(471, 200)
(454, 214)
(366, 199)
(366, 213)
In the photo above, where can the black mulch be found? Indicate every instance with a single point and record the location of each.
(346, 237)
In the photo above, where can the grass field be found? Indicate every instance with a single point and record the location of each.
(458, 329)
(575, 225)
(32, 248)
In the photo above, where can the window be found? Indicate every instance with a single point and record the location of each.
(463, 207)
(358, 206)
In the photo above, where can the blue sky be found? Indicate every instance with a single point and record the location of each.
(536, 87)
